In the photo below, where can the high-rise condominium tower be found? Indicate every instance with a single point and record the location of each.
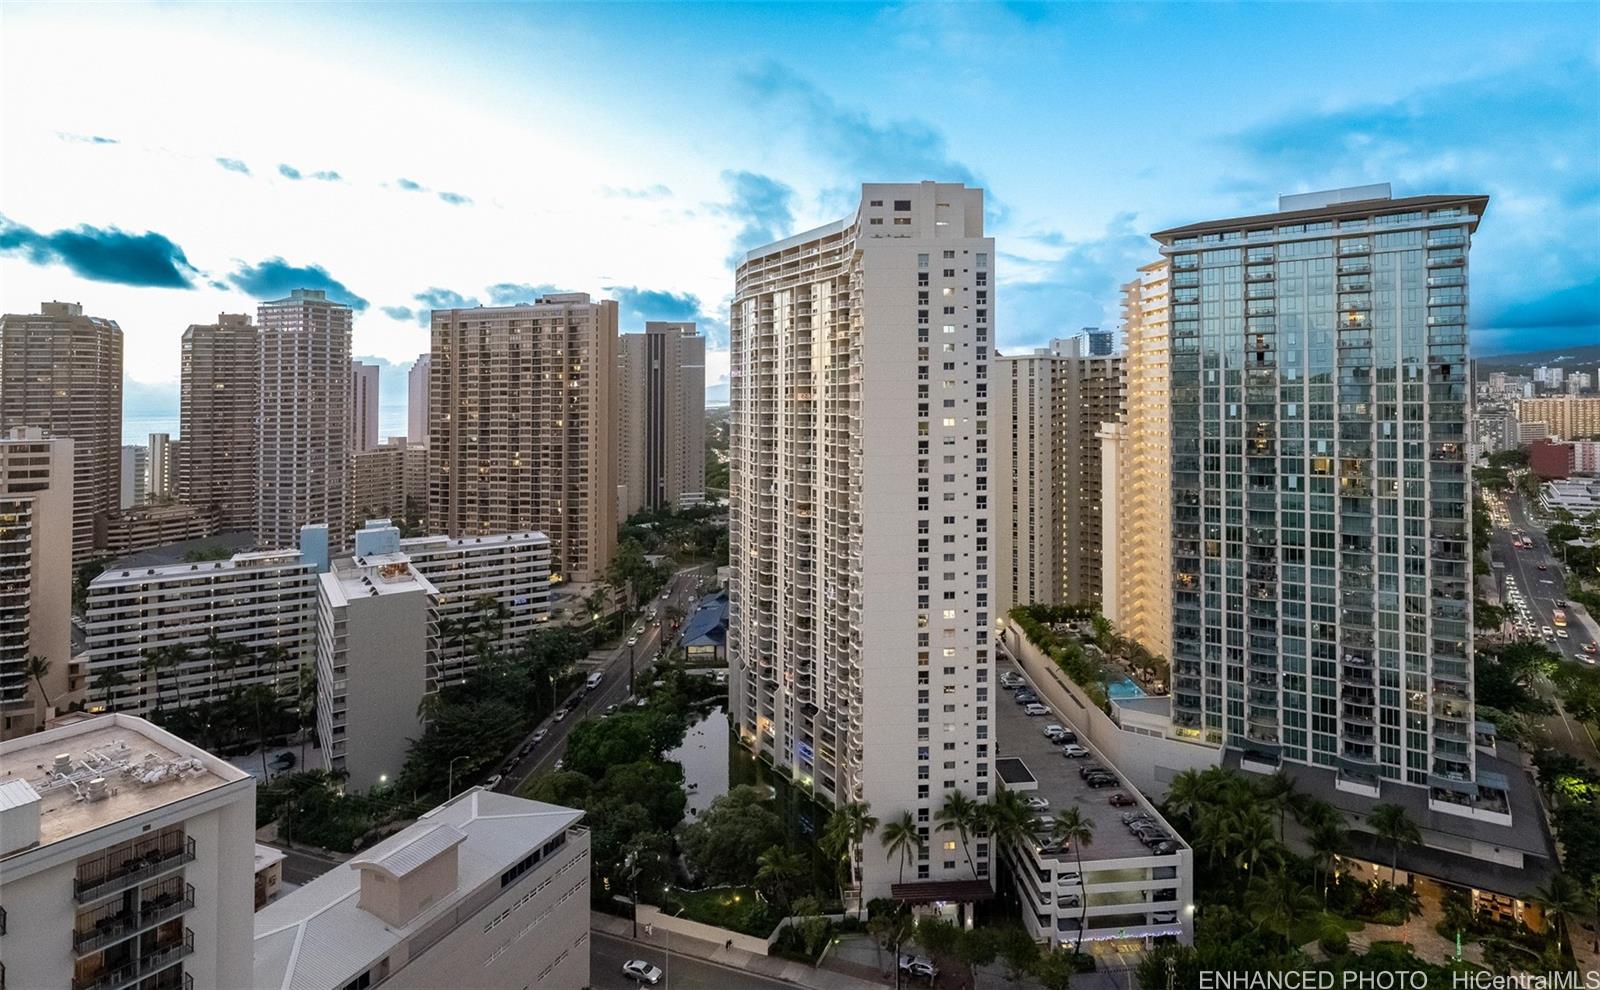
(62, 372)
(363, 406)
(36, 476)
(221, 394)
(417, 400)
(160, 467)
(859, 606)
(1052, 404)
(1322, 610)
(304, 423)
(661, 433)
(1136, 456)
(521, 431)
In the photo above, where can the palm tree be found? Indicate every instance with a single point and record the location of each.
(305, 702)
(1392, 823)
(1186, 795)
(38, 668)
(1073, 827)
(109, 682)
(1009, 820)
(960, 815)
(779, 874)
(260, 699)
(1559, 899)
(1279, 792)
(842, 836)
(1326, 839)
(155, 660)
(901, 838)
(1258, 845)
(1275, 902)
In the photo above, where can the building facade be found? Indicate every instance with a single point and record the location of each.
(179, 634)
(146, 526)
(389, 481)
(1570, 417)
(126, 860)
(661, 426)
(61, 371)
(161, 467)
(135, 472)
(417, 400)
(1136, 463)
(302, 425)
(364, 384)
(220, 394)
(522, 426)
(1321, 526)
(486, 890)
(1054, 402)
(36, 524)
(859, 598)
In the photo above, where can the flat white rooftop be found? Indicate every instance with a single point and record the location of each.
(139, 763)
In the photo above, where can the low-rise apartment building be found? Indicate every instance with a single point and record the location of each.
(141, 527)
(487, 890)
(126, 858)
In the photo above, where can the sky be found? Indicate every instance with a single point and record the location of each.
(163, 163)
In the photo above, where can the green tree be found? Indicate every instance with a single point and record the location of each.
(1072, 826)
(1275, 902)
(892, 929)
(1279, 793)
(842, 837)
(37, 667)
(1559, 899)
(1325, 840)
(262, 702)
(901, 839)
(108, 683)
(1394, 825)
(780, 876)
(960, 814)
(725, 843)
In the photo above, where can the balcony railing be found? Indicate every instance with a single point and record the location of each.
(158, 958)
(113, 928)
(139, 863)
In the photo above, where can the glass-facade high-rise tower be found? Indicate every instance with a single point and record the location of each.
(1321, 522)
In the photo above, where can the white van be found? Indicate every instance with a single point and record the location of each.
(593, 681)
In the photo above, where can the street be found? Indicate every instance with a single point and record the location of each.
(607, 953)
(613, 689)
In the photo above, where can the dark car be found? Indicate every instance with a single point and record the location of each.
(1067, 737)
(1098, 781)
(1121, 800)
(1089, 768)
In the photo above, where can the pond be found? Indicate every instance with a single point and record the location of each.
(713, 762)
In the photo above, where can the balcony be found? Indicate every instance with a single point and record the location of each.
(112, 927)
(143, 861)
(159, 958)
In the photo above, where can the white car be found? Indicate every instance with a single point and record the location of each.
(1164, 917)
(633, 641)
(1561, 634)
(491, 782)
(641, 971)
(1034, 708)
(560, 714)
(540, 733)
(1054, 729)
(918, 966)
(1073, 751)
(1038, 804)
(1549, 633)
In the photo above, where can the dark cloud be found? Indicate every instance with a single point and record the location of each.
(636, 306)
(275, 278)
(762, 205)
(455, 199)
(103, 254)
(409, 186)
(657, 191)
(234, 165)
(289, 172)
(903, 150)
(515, 293)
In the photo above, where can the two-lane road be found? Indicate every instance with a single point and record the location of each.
(607, 953)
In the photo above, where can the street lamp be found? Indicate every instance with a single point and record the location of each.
(450, 790)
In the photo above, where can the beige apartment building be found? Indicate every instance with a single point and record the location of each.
(61, 371)
(860, 517)
(388, 478)
(486, 890)
(36, 518)
(1136, 458)
(1570, 417)
(661, 433)
(219, 402)
(126, 860)
(302, 428)
(160, 467)
(522, 426)
(1052, 406)
(417, 400)
(145, 526)
(364, 380)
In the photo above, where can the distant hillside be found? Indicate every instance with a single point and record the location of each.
(1585, 356)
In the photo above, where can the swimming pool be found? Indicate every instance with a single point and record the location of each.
(1123, 687)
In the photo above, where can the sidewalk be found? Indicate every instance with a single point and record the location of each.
(771, 967)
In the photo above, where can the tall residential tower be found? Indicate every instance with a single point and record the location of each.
(860, 608)
(1322, 609)
(363, 406)
(219, 401)
(661, 431)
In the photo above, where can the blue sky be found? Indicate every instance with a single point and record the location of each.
(197, 158)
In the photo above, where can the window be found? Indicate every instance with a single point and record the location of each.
(902, 205)
(875, 202)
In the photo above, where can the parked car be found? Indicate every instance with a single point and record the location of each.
(1068, 737)
(492, 781)
(1034, 708)
(1129, 817)
(1024, 696)
(1164, 848)
(1039, 804)
(641, 971)
(920, 967)
(539, 734)
(560, 714)
(1073, 751)
(1121, 800)
(1054, 729)
(1591, 647)
(1164, 917)
(1100, 780)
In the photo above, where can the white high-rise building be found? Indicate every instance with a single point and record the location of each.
(417, 400)
(260, 607)
(860, 612)
(127, 860)
(135, 487)
(302, 430)
(364, 379)
(36, 506)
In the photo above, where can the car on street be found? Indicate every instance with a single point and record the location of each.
(539, 734)
(1034, 708)
(1073, 751)
(633, 641)
(1549, 633)
(561, 764)
(1011, 680)
(560, 713)
(641, 971)
(1543, 566)
(1561, 634)
(1591, 647)
(492, 781)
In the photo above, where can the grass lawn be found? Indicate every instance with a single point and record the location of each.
(735, 908)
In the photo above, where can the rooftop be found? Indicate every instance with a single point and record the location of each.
(144, 768)
(318, 937)
(373, 575)
(233, 541)
(1023, 749)
(424, 543)
(1330, 211)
